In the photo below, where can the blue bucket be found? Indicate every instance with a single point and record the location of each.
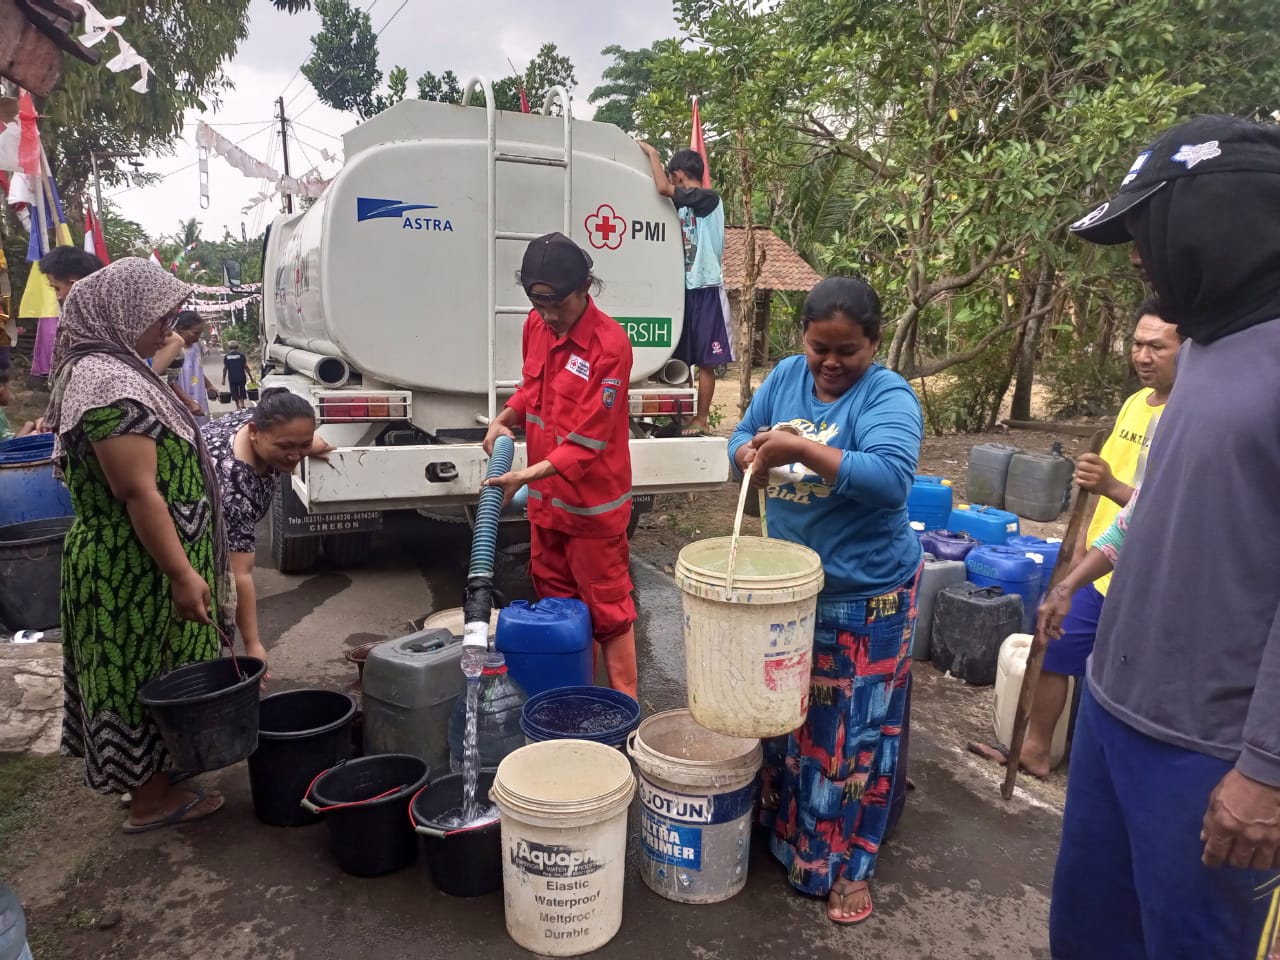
(28, 488)
(598, 714)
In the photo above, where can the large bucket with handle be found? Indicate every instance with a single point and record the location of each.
(750, 604)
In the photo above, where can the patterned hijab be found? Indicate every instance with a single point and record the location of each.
(95, 365)
(94, 360)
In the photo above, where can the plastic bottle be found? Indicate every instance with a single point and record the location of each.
(13, 927)
(498, 721)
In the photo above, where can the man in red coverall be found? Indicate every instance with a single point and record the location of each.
(572, 403)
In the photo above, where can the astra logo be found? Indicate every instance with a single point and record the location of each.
(372, 208)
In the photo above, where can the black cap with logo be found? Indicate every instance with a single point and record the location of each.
(557, 262)
(1203, 145)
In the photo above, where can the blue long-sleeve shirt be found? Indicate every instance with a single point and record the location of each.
(858, 526)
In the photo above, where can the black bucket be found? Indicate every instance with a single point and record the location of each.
(31, 572)
(366, 804)
(464, 862)
(207, 712)
(300, 734)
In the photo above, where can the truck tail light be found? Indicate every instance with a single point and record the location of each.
(663, 404)
(341, 407)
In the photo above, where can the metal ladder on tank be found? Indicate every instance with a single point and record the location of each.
(495, 157)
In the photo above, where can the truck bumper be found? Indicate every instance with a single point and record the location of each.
(403, 478)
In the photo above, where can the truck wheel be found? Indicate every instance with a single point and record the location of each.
(347, 549)
(289, 554)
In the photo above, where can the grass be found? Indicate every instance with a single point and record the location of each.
(21, 778)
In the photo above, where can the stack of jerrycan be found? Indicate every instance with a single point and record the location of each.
(1010, 569)
(988, 473)
(547, 644)
(1038, 484)
(936, 575)
(970, 623)
(410, 686)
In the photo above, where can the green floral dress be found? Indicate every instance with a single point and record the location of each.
(118, 628)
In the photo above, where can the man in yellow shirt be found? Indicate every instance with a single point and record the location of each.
(1112, 475)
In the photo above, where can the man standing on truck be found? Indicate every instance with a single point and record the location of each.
(573, 405)
(704, 341)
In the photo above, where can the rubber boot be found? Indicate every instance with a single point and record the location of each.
(620, 662)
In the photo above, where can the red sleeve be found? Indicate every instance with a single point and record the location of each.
(596, 425)
(519, 402)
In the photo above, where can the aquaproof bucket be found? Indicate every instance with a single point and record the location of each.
(697, 791)
(564, 843)
(749, 644)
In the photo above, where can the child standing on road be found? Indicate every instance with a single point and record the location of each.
(235, 370)
(704, 341)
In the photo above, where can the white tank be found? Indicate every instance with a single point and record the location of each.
(389, 267)
(1010, 667)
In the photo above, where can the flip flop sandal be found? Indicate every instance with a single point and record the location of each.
(181, 815)
(858, 917)
(175, 777)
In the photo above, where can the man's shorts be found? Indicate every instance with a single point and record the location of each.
(1069, 653)
(595, 570)
(704, 341)
(239, 390)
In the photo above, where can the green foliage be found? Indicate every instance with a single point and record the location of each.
(343, 67)
(548, 68)
(445, 88)
(124, 237)
(626, 81)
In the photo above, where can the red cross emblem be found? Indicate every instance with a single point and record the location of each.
(605, 229)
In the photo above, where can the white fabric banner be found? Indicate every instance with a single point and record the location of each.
(253, 168)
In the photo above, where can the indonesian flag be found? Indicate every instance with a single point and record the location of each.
(698, 145)
(524, 100)
(94, 241)
(155, 257)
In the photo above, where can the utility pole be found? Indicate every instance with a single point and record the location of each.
(94, 157)
(284, 148)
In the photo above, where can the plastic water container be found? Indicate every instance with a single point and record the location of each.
(697, 792)
(564, 837)
(13, 927)
(947, 544)
(1010, 569)
(1037, 485)
(936, 575)
(28, 488)
(410, 686)
(1044, 551)
(1010, 667)
(969, 624)
(499, 707)
(546, 644)
(988, 473)
(929, 502)
(984, 524)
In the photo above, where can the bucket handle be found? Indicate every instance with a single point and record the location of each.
(310, 807)
(631, 744)
(737, 527)
(436, 831)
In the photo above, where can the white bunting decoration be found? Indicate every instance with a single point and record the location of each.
(97, 28)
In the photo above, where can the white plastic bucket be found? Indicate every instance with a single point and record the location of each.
(697, 793)
(564, 843)
(749, 651)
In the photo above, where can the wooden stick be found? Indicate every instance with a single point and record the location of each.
(1035, 656)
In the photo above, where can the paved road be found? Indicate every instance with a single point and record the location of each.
(965, 878)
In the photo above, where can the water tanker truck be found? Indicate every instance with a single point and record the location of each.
(392, 306)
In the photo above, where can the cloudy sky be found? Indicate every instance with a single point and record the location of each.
(424, 35)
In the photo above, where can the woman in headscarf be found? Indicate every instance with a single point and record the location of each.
(144, 562)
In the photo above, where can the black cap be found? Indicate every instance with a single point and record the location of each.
(1211, 144)
(556, 261)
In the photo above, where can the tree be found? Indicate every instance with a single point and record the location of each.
(442, 89)
(626, 81)
(547, 69)
(343, 67)
(124, 237)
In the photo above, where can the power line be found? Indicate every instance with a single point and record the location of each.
(322, 133)
(390, 19)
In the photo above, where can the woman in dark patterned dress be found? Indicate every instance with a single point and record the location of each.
(145, 561)
(248, 450)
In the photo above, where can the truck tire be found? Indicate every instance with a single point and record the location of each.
(289, 554)
(347, 549)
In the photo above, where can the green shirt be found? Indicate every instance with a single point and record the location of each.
(6, 431)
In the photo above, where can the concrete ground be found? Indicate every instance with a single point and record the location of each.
(967, 876)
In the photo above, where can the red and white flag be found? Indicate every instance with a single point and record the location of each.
(94, 241)
(155, 257)
(699, 146)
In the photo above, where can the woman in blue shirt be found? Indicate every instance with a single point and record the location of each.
(834, 438)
